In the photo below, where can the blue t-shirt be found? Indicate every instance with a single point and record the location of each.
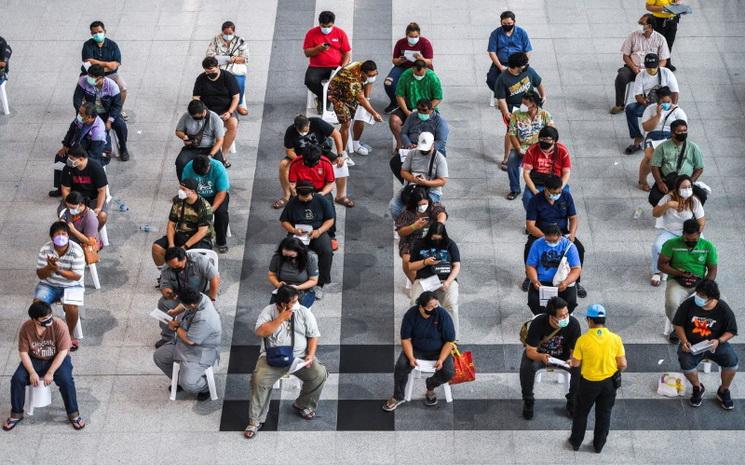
(504, 45)
(545, 259)
(216, 180)
(543, 213)
(428, 334)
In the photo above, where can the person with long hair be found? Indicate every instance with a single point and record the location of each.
(294, 265)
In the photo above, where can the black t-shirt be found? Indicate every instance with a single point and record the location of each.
(86, 181)
(447, 255)
(701, 325)
(313, 213)
(560, 344)
(317, 134)
(217, 94)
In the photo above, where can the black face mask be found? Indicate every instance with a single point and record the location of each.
(47, 323)
(507, 27)
(545, 145)
(681, 137)
(428, 312)
(211, 75)
(691, 243)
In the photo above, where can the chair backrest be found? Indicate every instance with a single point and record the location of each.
(211, 254)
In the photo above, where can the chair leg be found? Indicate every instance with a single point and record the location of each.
(78, 331)
(229, 233)
(232, 148)
(174, 380)
(29, 401)
(448, 392)
(4, 97)
(410, 386)
(94, 275)
(209, 373)
(104, 236)
(707, 366)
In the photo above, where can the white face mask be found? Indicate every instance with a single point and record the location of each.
(326, 30)
(182, 195)
(370, 80)
(303, 134)
(685, 192)
(553, 244)
(419, 78)
(73, 211)
(295, 307)
(422, 208)
(228, 37)
(524, 108)
(412, 40)
(643, 28)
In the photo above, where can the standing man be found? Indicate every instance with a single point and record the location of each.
(503, 42)
(665, 23)
(100, 50)
(601, 357)
(328, 48)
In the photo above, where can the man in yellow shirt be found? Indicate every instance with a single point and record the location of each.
(601, 357)
(665, 23)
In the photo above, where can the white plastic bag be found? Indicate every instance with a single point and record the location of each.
(671, 385)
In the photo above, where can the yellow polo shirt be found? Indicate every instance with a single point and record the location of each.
(597, 349)
(661, 3)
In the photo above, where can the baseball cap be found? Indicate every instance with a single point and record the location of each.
(425, 141)
(651, 60)
(595, 311)
(304, 187)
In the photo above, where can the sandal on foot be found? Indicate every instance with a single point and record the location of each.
(78, 423)
(346, 201)
(643, 186)
(227, 164)
(503, 166)
(633, 148)
(306, 413)
(74, 345)
(279, 203)
(430, 401)
(251, 430)
(655, 279)
(392, 404)
(11, 423)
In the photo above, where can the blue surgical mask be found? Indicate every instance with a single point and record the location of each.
(553, 244)
(228, 37)
(91, 80)
(99, 37)
(563, 323)
(554, 197)
(326, 30)
(665, 106)
(422, 116)
(699, 301)
(412, 40)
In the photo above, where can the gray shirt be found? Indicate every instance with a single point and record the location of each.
(192, 127)
(305, 327)
(204, 329)
(290, 274)
(417, 162)
(197, 274)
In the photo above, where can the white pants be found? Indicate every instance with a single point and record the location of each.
(448, 299)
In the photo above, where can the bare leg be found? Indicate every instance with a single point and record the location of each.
(357, 129)
(727, 377)
(395, 124)
(344, 130)
(407, 271)
(231, 130)
(284, 180)
(644, 167)
(693, 378)
(159, 255)
(102, 217)
(71, 317)
(507, 146)
(123, 96)
(341, 188)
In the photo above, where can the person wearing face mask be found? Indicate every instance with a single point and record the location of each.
(406, 51)
(327, 47)
(202, 132)
(524, 129)
(82, 223)
(424, 119)
(89, 178)
(548, 157)
(414, 223)
(550, 335)
(427, 333)
(184, 271)
(288, 332)
(664, 22)
(43, 345)
(671, 212)
(213, 185)
(647, 91)
(505, 40)
(189, 223)
(102, 51)
(675, 157)
(219, 91)
(231, 52)
(60, 265)
(706, 317)
(656, 121)
(294, 265)
(103, 92)
(687, 260)
(416, 83)
(635, 48)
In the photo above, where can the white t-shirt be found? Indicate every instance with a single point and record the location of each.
(672, 220)
(645, 82)
(677, 113)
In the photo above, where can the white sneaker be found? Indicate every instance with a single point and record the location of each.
(349, 160)
(362, 150)
(318, 290)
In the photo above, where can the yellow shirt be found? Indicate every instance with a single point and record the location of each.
(661, 3)
(597, 349)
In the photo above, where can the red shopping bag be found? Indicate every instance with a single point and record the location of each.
(465, 370)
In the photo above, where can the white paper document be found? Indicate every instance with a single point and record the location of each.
(73, 296)
(403, 153)
(161, 316)
(545, 293)
(297, 364)
(342, 171)
(558, 362)
(701, 347)
(410, 55)
(222, 60)
(306, 228)
(86, 65)
(59, 166)
(363, 115)
(431, 284)
(655, 143)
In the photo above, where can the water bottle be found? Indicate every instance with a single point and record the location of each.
(148, 228)
(120, 205)
(637, 213)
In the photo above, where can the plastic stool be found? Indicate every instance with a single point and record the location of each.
(37, 397)
(94, 275)
(707, 365)
(428, 367)
(4, 98)
(561, 376)
(77, 333)
(209, 373)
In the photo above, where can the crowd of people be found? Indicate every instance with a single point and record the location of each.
(313, 180)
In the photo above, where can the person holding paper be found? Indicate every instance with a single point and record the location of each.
(197, 344)
(664, 22)
(551, 336)
(416, 83)
(706, 318)
(547, 158)
(286, 326)
(406, 51)
(425, 119)
(202, 132)
(231, 52)
(294, 265)
(102, 51)
(81, 174)
(542, 265)
(656, 122)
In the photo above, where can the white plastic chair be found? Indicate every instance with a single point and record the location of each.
(668, 328)
(561, 376)
(4, 98)
(37, 397)
(328, 114)
(209, 373)
(102, 232)
(114, 143)
(78, 331)
(492, 99)
(211, 254)
(425, 367)
(228, 233)
(707, 364)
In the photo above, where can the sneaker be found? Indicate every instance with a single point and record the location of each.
(204, 395)
(222, 249)
(362, 150)
(581, 291)
(725, 399)
(367, 146)
(318, 291)
(349, 160)
(571, 444)
(157, 283)
(616, 110)
(390, 108)
(389, 406)
(124, 115)
(698, 396)
(525, 285)
(334, 245)
(633, 148)
(528, 409)
(123, 155)
(55, 193)
(430, 400)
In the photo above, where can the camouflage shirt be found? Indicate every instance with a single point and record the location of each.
(189, 218)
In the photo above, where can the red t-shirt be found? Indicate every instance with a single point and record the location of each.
(319, 175)
(543, 163)
(332, 57)
(424, 47)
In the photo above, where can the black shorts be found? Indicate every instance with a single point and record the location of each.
(400, 113)
(180, 239)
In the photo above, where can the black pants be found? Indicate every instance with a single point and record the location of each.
(120, 128)
(314, 78)
(577, 243)
(668, 27)
(491, 76)
(655, 194)
(529, 367)
(396, 165)
(332, 230)
(222, 219)
(624, 76)
(322, 247)
(187, 154)
(534, 302)
(402, 369)
(602, 394)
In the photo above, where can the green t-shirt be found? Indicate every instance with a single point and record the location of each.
(694, 260)
(412, 90)
(525, 129)
(665, 157)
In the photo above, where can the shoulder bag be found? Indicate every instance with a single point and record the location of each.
(281, 356)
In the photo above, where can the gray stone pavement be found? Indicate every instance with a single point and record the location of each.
(121, 392)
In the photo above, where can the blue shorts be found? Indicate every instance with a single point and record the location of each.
(725, 356)
(49, 294)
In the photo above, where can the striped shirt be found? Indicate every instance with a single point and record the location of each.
(72, 260)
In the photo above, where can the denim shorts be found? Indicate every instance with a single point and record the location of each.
(48, 294)
(724, 356)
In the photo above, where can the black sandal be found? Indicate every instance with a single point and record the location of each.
(512, 195)
(11, 423)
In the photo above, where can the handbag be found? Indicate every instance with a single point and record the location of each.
(671, 385)
(281, 356)
(525, 327)
(90, 251)
(465, 370)
(409, 188)
(562, 271)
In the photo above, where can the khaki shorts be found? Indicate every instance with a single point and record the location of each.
(119, 81)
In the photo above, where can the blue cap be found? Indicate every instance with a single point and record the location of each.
(595, 311)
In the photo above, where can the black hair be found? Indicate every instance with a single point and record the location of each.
(89, 108)
(708, 288)
(189, 296)
(549, 131)
(39, 309)
(507, 14)
(517, 60)
(419, 65)
(598, 320)
(437, 229)
(677, 123)
(424, 102)
(367, 66)
(77, 152)
(96, 71)
(285, 294)
(201, 164)
(552, 182)
(326, 17)
(209, 62)
(312, 153)
(425, 298)
(649, 18)
(58, 226)
(691, 226)
(551, 229)
(175, 252)
(412, 27)
(532, 96)
(301, 122)
(196, 107)
(228, 24)
(554, 304)
(296, 245)
(97, 24)
(419, 193)
(74, 198)
(664, 91)
(679, 180)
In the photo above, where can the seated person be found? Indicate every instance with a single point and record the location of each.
(43, 345)
(547, 157)
(102, 51)
(505, 40)
(706, 317)
(60, 264)
(687, 260)
(414, 222)
(406, 51)
(550, 334)
(423, 119)
(285, 325)
(674, 209)
(196, 346)
(542, 265)
(103, 92)
(234, 50)
(213, 185)
(202, 131)
(87, 132)
(5, 53)
(667, 163)
(656, 121)
(328, 48)
(184, 271)
(189, 223)
(219, 91)
(311, 211)
(83, 225)
(427, 333)
(89, 178)
(294, 265)
(416, 83)
(437, 254)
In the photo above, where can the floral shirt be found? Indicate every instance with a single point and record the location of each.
(237, 47)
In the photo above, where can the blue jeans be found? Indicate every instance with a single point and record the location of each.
(513, 170)
(396, 206)
(49, 294)
(655, 135)
(241, 80)
(391, 81)
(307, 298)
(725, 356)
(634, 111)
(62, 378)
(528, 194)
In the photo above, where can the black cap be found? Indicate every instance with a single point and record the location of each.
(304, 187)
(190, 184)
(651, 60)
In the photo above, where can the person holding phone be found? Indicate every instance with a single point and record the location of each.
(327, 48)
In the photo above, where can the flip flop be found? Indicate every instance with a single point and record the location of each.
(306, 413)
(77, 423)
(346, 201)
(251, 430)
(503, 166)
(11, 423)
(389, 406)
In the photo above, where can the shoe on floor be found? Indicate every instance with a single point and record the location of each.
(581, 291)
(334, 245)
(390, 108)
(318, 291)
(362, 150)
(698, 396)
(633, 148)
(124, 155)
(512, 195)
(528, 409)
(222, 249)
(204, 395)
(725, 399)
(574, 448)
(55, 193)
(160, 343)
(525, 285)
(430, 401)
(124, 115)
(349, 160)
(389, 406)
(616, 110)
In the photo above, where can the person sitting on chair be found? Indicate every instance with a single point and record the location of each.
(202, 132)
(89, 178)
(213, 184)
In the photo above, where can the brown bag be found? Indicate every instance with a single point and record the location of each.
(90, 250)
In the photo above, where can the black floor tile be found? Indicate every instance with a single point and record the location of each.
(366, 358)
(243, 359)
(235, 416)
(363, 415)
